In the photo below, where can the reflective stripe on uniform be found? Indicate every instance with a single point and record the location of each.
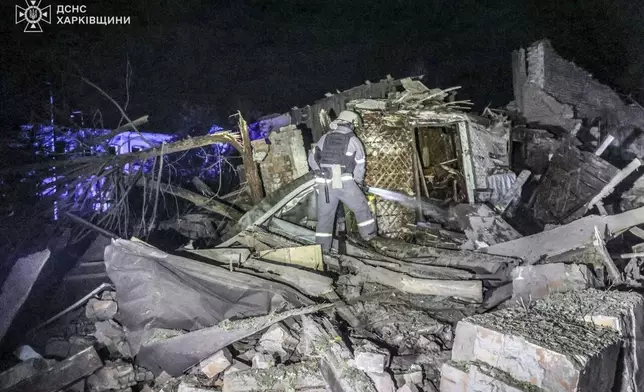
(344, 177)
(366, 223)
(348, 153)
(323, 234)
(360, 160)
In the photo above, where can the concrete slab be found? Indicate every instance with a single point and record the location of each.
(540, 349)
(303, 376)
(621, 311)
(477, 377)
(237, 366)
(453, 379)
(533, 282)
(382, 382)
(60, 374)
(18, 285)
(565, 238)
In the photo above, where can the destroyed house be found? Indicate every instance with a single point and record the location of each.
(264, 308)
(417, 143)
(431, 152)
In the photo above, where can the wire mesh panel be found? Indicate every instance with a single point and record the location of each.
(389, 165)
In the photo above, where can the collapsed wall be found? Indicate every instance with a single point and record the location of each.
(282, 159)
(555, 93)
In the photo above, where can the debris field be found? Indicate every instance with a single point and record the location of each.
(508, 258)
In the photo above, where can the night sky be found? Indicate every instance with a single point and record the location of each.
(194, 62)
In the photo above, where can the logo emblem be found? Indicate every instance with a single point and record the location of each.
(33, 15)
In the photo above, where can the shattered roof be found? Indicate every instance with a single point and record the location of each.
(420, 105)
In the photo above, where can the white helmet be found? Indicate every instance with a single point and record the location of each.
(347, 116)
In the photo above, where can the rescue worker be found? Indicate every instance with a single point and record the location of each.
(338, 161)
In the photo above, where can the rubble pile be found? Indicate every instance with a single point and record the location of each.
(506, 261)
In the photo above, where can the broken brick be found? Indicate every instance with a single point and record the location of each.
(216, 363)
(263, 361)
(369, 357)
(278, 341)
(99, 310)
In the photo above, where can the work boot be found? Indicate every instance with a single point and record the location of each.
(371, 241)
(370, 237)
(365, 242)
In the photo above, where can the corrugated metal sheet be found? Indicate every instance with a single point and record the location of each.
(500, 184)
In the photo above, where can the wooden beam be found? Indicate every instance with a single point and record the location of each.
(61, 374)
(637, 232)
(422, 271)
(309, 256)
(250, 166)
(470, 289)
(616, 180)
(611, 268)
(18, 285)
(309, 283)
(202, 187)
(609, 139)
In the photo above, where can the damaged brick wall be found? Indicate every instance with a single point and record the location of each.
(557, 93)
(283, 160)
(536, 104)
(572, 85)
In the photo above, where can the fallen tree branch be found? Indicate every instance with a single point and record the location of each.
(196, 199)
(170, 148)
(126, 127)
(120, 109)
(158, 188)
(202, 187)
(90, 225)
